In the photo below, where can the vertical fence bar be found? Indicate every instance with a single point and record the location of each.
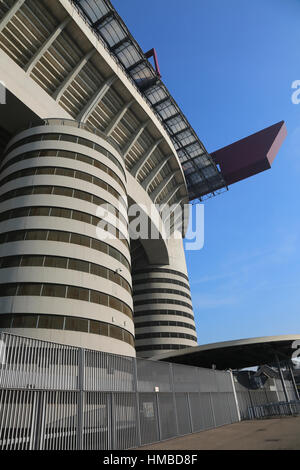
(32, 416)
(290, 368)
(212, 408)
(235, 396)
(190, 411)
(110, 422)
(40, 411)
(136, 391)
(282, 379)
(174, 397)
(158, 416)
(80, 394)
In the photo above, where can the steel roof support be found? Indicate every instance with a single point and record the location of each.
(119, 116)
(176, 134)
(111, 13)
(151, 177)
(119, 43)
(10, 14)
(143, 160)
(191, 160)
(152, 82)
(168, 98)
(39, 54)
(172, 117)
(133, 66)
(93, 103)
(72, 75)
(185, 147)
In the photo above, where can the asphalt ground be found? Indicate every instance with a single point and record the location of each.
(269, 434)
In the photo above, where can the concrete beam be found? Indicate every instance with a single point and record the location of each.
(72, 75)
(174, 210)
(180, 220)
(135, 138)
(10, 14)
(155, 194)
(28, 92)
(178, 223)
(171, 194)
(143, 160)
(43, 49)
(93, 103)
(151, 177)
(115, 122)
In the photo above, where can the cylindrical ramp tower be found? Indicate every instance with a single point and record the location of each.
(163, 311)
(62, 277)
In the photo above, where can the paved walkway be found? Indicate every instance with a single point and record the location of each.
(269, 434)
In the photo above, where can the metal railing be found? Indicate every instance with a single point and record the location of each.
(72, 123)
(58, 397)
(271, 410)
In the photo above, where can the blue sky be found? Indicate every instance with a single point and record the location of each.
(230, 66)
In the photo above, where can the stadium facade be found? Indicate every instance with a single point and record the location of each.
(89, 123)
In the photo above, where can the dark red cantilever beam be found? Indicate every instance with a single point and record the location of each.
(250, 155)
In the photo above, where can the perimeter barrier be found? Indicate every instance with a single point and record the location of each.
(57, 397)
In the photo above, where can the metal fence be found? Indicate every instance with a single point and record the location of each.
(56, 397)
(271, 393)
(270, 410)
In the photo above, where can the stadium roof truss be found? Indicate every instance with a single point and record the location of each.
(203, 177)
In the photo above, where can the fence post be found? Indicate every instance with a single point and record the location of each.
(135, 387)
(190, 412)
(277, 390)
(158, 416)
(80, 385)
(235, 396)
(290, 367)
(40, 419)
(282, 379)
(212, 408)
(174, 397)
(284, 386)
(251, 398)
(110, 421)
